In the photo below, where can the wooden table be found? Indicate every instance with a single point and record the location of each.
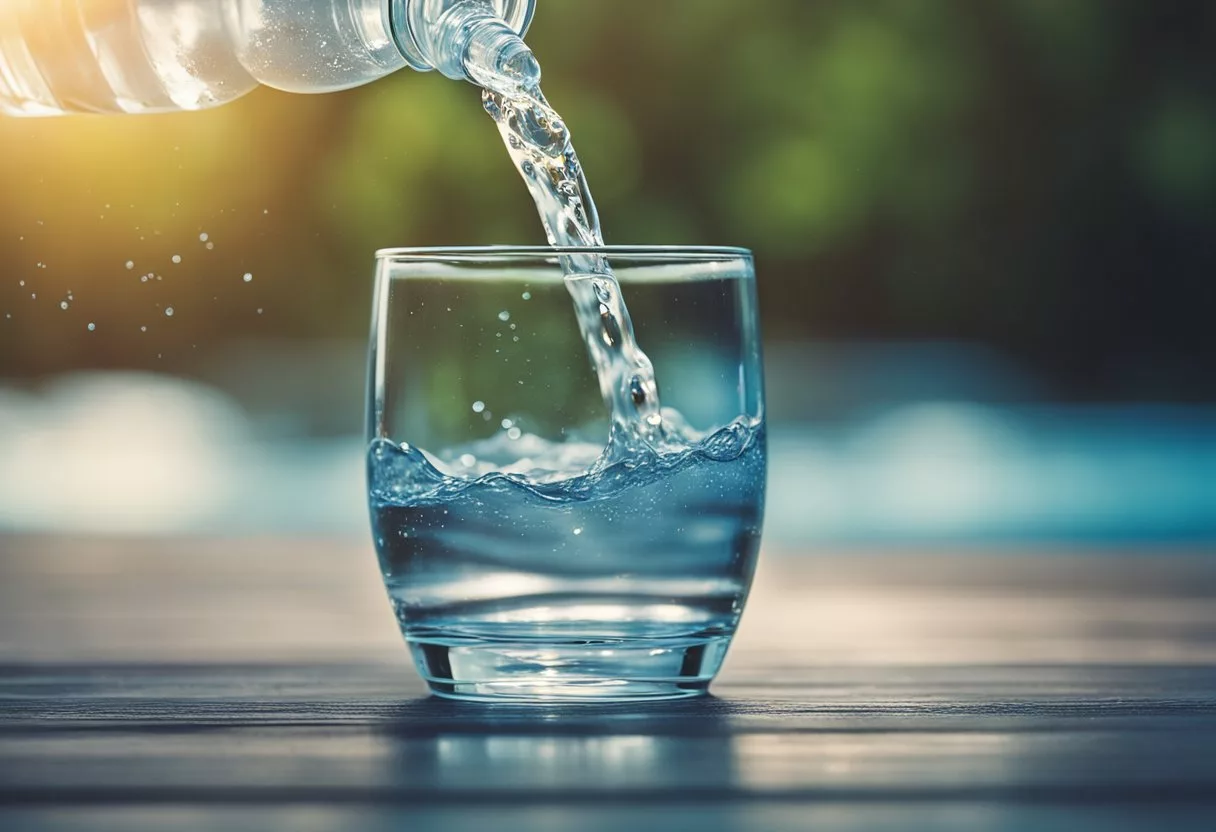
(260, 684)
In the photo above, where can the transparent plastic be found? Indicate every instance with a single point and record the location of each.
(148, 56)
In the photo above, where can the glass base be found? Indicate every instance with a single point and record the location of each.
(588, 671)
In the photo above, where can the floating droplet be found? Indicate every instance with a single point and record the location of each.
(130, 265)
(526, 296)
(177, 258)
(92, 326)
(248, 278)
(169, 312)
(479, 406)
(504, 316)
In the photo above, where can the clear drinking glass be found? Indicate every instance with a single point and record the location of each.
(522, 561)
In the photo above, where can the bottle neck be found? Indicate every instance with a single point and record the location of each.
(462, 38)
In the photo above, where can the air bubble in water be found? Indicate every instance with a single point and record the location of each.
(177, 258)
(504, 316)
(92, 326)
(637, 391)
(507, 424)
(526, 296)
(130, 265)
(168, 311)
(479, 406)
(248, 278)
(202, 238)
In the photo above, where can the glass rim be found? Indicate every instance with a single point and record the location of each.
(425, 253)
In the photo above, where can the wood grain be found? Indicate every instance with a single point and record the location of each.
(260, 685)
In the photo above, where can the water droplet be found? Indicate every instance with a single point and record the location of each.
(92, 326)
(202, 238)
(514, 433)
(210, 246)
(143, 278)
(468, 460)
(20, 282)
(506, 424)
(259, 310)
(479, 406)
(526, 296)
(578, 530)
(504, 316)
(63, 304)
(168, 311)
(143, 329)
(248, 278)
(130, 265)
(177, 258)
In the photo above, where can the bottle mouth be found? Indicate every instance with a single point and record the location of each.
(413, 24)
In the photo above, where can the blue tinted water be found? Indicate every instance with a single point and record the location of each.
(569, 543)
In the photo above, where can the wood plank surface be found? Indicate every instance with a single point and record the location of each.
(261, 685)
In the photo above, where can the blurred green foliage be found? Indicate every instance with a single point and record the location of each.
(1037, 175)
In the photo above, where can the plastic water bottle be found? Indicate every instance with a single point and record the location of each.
(150, 56)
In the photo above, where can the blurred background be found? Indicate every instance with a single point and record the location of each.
(984, 237)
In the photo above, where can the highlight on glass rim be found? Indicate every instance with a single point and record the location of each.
(598, 414)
